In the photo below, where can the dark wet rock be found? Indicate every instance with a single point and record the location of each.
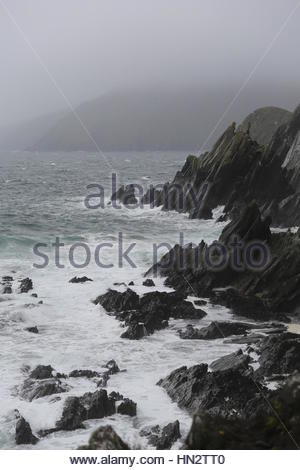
(80, 280)
(40, 302)
(7, 278)
(273, 292)
(7, 290)
(90, 406)
(24, 433)
(103, 380)
(73, 415)
(115, 301)
(34, 389)
(261, 431)
(116, 396)
(149, 283)
(26, 285)
(131, 283)
(32, 329)
(200, 303)
(250, 306)
(125, 194)
(98, 404)
(127, 407)
(42, 372)
(279, 354)
(34, 295)
(105, 438)
(148, 313)
(216, 330)
(112, 367)
(87, 373)
(135, 331)
(162, 438)
(245, 339)
(225, 392)
(233, 361)
(249, 226)
(120, 284)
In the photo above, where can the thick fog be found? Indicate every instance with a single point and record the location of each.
(91, 47)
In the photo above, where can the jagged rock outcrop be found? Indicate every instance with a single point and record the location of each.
(148, 313)
(225, 392)
(125, 195)
(263, 430)
(279, 354)
(90, 406)
(236, 171)
(269, 292)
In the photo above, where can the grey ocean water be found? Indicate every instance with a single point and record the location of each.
(42, 198)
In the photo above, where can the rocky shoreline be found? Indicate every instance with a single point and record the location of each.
(248, 399)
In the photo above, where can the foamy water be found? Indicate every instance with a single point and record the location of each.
(76, 334)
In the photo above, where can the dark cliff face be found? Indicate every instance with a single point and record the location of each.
(237, 171)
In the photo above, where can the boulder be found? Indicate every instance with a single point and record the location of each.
(127, 407)
(105, 438)
(115, 301)
(42, 372)
(24, 433)
(149, 283)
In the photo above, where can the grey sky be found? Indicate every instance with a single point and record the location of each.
(95, 46)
